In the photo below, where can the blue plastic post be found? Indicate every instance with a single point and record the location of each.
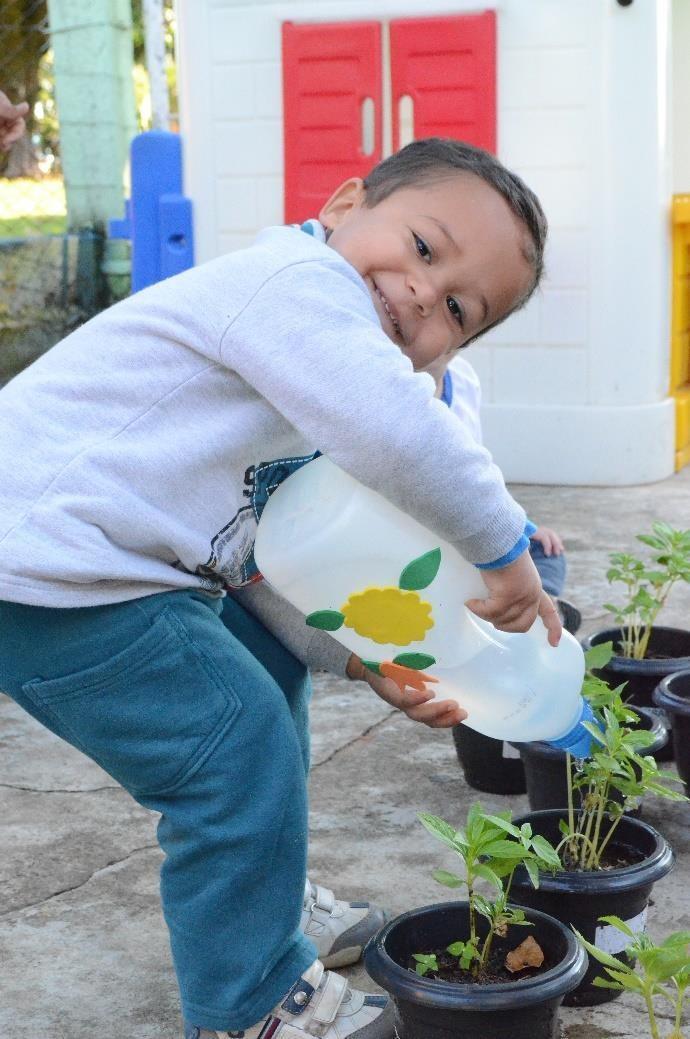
(158, 216)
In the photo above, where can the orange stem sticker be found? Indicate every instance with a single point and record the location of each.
(405, 676)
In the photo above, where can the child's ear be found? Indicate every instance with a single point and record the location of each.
(348, 197)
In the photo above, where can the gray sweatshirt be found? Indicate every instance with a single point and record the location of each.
(137, 454)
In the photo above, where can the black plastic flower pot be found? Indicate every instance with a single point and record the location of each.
(673, 694)
(668, 651)
(431, 1009)
(488, 765)
(579, 899)
(545, 766)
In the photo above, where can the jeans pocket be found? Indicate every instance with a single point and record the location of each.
(150, 715)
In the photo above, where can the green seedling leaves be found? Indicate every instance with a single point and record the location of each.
(491, 848)
(649, 970)
(465, 952)
(425, 963)
(439, 829)
(612, 780)
(647, 584)
(442, 876)
(598, 656)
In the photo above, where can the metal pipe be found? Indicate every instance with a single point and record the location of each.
(154, 36)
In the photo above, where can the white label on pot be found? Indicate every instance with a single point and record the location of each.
(609, 939)
(509, 751)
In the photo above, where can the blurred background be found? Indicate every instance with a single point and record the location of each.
(215, 118)
(54, 267)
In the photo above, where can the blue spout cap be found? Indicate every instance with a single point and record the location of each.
(578, 741)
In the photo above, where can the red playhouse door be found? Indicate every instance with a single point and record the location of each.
(332, 110)
(444, 70)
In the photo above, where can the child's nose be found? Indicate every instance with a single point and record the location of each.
(423, 292)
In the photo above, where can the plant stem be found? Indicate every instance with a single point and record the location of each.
(486, 948)
(589, 814)
(571, 806)
(608, 836)
(596, 856)
(473, 926)
(652, 1016)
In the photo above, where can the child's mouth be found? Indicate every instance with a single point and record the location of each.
(393, 321)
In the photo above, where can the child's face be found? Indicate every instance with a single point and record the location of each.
(442, 260)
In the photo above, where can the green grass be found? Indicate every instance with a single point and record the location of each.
(32, 207)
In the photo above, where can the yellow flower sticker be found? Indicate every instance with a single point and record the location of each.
(388, 615)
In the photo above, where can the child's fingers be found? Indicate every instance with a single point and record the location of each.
(552, 622)
(389, 691)
(514, 616)
(437, 714)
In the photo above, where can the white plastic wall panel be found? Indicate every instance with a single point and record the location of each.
(582, 116)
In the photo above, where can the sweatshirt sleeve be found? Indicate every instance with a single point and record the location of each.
(316, 649)
(309, 341)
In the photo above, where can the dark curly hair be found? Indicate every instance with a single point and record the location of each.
(435, 158)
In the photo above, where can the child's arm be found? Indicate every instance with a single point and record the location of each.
(310, 344)
(303, 333)
(318, 650)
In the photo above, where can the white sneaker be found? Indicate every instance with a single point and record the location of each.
(339, 930)
(319, 1004)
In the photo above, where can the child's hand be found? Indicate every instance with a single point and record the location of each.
(515, 599)
(549, 541)
(418, 705)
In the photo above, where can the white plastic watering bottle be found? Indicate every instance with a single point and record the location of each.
(394, 593)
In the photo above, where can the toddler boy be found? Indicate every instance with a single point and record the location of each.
(135, 459)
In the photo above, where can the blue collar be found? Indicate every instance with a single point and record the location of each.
(447, 393)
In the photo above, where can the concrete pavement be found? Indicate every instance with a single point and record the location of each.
(83, 948)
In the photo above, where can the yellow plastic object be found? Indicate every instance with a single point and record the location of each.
(680, 326)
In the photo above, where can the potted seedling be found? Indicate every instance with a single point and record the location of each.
(483, 966)
(608, 861)
(549, 771)
(663, 971)
(646, 652)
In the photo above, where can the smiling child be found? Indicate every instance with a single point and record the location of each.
(135, 459)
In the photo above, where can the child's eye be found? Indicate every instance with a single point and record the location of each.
(421, 246)
(456, 310)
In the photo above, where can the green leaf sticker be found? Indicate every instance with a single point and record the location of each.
(421, 571)
(327, 620)
(417, 661)
(372, 666)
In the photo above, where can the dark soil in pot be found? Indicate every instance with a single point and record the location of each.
(673, 695)
(492, 766)
(669, 651)
(426, 1008)
(545, 766)
(580, 898)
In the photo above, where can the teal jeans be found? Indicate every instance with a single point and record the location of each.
(196, 710)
